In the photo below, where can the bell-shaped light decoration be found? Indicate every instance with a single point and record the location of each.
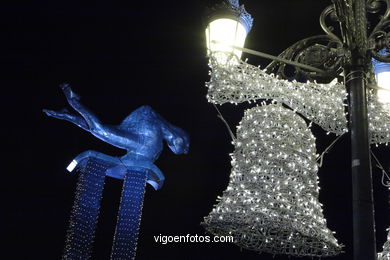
(271, 203)
(228, 27)
(382, 75)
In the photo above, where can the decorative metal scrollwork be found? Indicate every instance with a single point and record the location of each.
(325, 52)
(321, 51)
(328, 52)
(329, 12)
(380, 36)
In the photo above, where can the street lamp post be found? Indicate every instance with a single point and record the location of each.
(363, 210)
(355, 70)
(328, 56)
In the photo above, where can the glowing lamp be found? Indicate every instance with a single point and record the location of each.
(228, 27)
(382, 75)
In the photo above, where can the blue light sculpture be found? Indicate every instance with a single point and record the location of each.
(141, 134)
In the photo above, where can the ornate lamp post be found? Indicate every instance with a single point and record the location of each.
(322, 58)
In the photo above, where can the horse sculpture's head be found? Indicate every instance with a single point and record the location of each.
(178, 141)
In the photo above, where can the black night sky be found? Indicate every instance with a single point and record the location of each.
(119, 55)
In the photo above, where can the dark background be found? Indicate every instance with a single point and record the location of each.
(119, 56)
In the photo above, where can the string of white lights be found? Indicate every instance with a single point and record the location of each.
(256, 223)
(271, 203)
(238, 81)
(379, 119)
(385, 254)
(324, 104)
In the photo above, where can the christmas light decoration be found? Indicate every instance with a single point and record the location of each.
(271, 203)
(142, 134)
(385, 254)
(322, 58)
(323, 104)
(378, 118)
(85, 212)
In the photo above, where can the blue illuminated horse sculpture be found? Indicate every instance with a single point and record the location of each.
(142, 134)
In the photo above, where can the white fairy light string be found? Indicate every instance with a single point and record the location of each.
(385, 254)
(323, 104)
(239, 81)
(379, 119)
(248, 209)
(271, 203)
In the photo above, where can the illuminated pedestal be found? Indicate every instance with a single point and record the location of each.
(85, 211)
(129, 216)
(271, 203)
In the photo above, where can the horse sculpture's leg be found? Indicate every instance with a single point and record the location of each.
(73, 100)
(65, 115)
